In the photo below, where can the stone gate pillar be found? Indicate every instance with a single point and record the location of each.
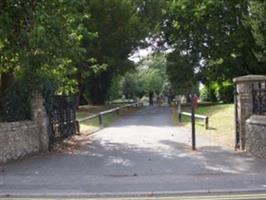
(244, 102)
(40, 117)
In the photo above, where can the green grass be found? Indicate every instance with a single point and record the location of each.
(221, 122)
(93, 125)
(106, 119)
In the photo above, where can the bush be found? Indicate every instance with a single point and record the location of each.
(208, 94)
(223, 92)
(226, 93)
(15, 103)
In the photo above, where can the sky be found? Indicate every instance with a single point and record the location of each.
(139, 54)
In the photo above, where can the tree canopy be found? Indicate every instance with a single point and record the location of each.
(81, 47)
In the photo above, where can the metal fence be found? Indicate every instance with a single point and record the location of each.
(259, 99)
(62, 117)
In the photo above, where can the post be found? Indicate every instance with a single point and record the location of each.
(180, 117)
(100, 119)
(117, 111)
(237, 133)
(193, 127)
(206, 120)
(77, 127)
(40, 117)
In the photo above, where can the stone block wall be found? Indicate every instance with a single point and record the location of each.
(18, 139)
(256, 135)
(24, 138)
(244, 102)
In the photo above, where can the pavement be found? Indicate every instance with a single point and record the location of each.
(141, 155)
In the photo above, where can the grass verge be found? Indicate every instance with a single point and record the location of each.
(221, 122)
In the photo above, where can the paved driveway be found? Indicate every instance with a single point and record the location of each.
(142, 153)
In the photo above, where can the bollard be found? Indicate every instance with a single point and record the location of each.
(100, 119)
(180, 117)
(193, 128)
(206, 120)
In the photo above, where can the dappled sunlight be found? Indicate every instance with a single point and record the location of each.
(112, 160)
(139, 138)
(88, 128)
(167, 145)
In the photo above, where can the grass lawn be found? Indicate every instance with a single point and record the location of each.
(93, 125)
(221, 123)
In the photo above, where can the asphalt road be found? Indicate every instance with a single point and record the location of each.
(141, 154)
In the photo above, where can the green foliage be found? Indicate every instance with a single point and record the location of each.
(41, 39)
(222, 92)
(204, 94)
(116, 90)
(15, 103)
(149, 76)
(119, 30)
(180, 72)
(208, 94)
(83, 46)
(225, 92)
(222, 39)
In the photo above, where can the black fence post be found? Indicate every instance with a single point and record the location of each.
(193, 128)
(179, 117)
(194, 102)
(100, 119)
(206, 120)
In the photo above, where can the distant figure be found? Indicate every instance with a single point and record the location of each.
(151, 98)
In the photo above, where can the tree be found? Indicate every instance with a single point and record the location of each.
(117, 25)
(180, 72)
(40, 45)
(216, 36)
(149, 76)
(41, 39)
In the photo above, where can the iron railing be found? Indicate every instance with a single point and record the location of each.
(259, 99)
(62, 117)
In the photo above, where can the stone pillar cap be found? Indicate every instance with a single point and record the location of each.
(249, 78)
(257, 119)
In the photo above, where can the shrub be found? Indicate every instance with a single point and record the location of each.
(226, 93)
(223, 92)
(208, 94)
(15, 103)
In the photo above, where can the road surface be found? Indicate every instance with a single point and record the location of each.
(140, 154)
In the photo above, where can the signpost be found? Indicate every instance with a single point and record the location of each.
(194, 105)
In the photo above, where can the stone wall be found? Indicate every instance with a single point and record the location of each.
(24, 138)
(256, 135)
(244, 102)
(18, 139)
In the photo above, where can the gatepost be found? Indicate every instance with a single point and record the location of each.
(244, 86)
